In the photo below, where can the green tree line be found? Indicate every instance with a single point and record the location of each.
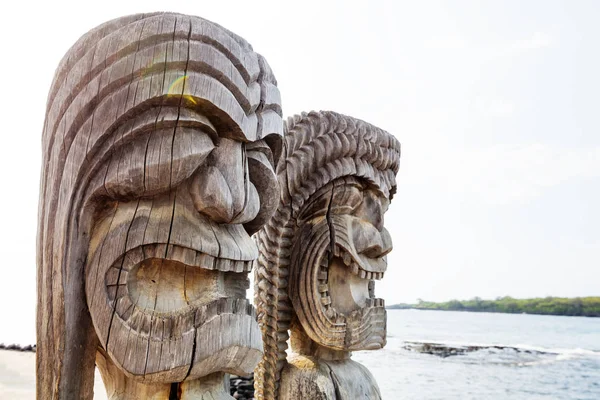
(578, 306)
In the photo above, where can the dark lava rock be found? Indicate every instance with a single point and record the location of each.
(445, 350)
(241, 387)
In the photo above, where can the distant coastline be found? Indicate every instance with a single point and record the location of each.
(575, 307)
(18, 347)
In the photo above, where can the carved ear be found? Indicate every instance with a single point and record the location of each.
(264, 179)
(275, 143)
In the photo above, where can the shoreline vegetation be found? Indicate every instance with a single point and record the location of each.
(574, 307)
(18, 347)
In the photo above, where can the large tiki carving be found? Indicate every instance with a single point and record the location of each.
(159, 145)
(320, 256)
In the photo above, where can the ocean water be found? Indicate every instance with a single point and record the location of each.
(544, 357)
(548, 357)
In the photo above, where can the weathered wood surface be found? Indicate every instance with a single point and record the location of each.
(315, 378)
(159, 145)
(320, 256)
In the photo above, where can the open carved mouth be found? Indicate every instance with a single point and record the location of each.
(150, 283)
(347, 283)
(332, 282)
(174, 304)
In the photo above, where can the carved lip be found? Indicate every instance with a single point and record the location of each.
(208, 240)
(172, 319)
(184, 255)
(361, 265)
(356, 266)
(123, 277)
(171, 341)
(177, 325)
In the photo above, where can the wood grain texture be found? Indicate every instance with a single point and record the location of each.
(319, 257)
(315, 378)
(148, 117)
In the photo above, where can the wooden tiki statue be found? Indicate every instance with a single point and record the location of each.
(159, 145)
(319, 257)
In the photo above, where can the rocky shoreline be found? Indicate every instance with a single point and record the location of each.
(242, 388)
(446, 350)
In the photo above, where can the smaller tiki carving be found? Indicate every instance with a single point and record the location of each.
(320, 256)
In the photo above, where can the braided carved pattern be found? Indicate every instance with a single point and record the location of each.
(319, 147)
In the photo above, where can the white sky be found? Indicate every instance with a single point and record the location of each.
(496, 104)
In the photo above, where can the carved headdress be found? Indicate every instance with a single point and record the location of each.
(331, 163)
(133, 111)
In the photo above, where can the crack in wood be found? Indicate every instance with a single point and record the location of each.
(114, 308)
(105, 207)
(174, 393)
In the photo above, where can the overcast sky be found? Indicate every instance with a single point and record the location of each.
(496, 105)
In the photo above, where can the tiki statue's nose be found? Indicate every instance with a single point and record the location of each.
(221, 189)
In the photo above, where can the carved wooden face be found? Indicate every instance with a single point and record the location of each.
(170, 249)
(339, 252)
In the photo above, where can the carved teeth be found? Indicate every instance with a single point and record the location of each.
(185, 256)
(222, 264)
(116, 291)
(357, 270)
(223, 306)
(325, 262)
(204, 261)
(355, 266)
(156, 330)
(116, 276)
(225, 265)
(347, 258)
(124, 307)
(322, 275)
(136, 320)
(336, 251)
(323, 288)
(326, 300)
(330, 313)
(375, 302)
